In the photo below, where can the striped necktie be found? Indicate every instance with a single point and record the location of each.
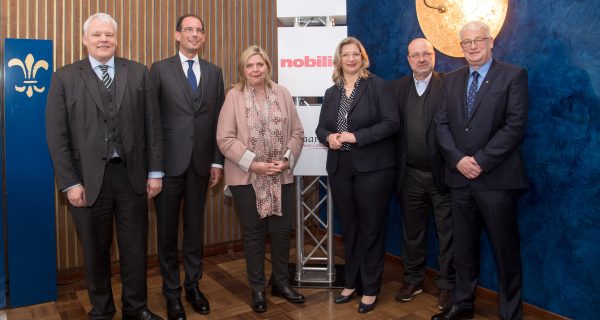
(106, 80)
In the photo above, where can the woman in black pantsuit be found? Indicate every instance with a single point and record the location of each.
(357, 124)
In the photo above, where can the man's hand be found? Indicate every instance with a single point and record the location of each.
(76, 196)
(153, 187)
(215, 176)
(468, 167)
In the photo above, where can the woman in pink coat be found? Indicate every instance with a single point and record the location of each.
(260, 135)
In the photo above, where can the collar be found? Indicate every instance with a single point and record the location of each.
(95, 63)
(424, 81)
(483, 69)
(184, 59)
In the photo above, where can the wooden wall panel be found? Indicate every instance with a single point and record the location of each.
(146, 34)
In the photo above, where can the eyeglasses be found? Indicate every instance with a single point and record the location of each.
(424, 55)
(347, 55)
(191, 30)
(478, 42)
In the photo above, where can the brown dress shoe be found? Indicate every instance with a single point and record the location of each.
(444, 299)
(408, 291)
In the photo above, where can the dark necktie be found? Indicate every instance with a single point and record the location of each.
(191, 77)
(106, 80)
(471, 93)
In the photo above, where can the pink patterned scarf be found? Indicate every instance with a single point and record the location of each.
(266, 141)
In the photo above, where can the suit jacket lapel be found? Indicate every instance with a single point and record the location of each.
(180, 77)
(121, 70)
(430, 99)
(485, 86)
(90, 79)
(359, 93)
(462, 88)
(203, 83)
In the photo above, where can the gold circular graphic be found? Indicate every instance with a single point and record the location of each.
(442, 28)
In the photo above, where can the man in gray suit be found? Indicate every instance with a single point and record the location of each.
(191, 93)
(104, 136)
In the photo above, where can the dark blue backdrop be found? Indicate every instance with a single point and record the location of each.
(558, 42)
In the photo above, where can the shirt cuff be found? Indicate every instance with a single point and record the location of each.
(71, 187)
(287, 154)
(216, 165)
(246, 160)
(155, 174)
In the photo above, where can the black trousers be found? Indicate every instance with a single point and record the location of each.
(496, 211)
(419, 196)
(192, 188)
(254, 231)
(361, 201)
(95, 229)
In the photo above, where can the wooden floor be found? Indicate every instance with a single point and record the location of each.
(225, 285)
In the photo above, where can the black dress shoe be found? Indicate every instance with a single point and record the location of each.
(454, 313)
(288, 293)
(144, 315)
(364, 308)
(197, 300)
(259, 301)
(343, 299)
(175, 310)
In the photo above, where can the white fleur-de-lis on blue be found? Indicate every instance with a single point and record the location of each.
(29, 72)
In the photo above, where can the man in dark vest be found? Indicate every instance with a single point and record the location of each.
(420, 176)
(104, 136)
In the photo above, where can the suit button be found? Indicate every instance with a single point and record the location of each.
(467, 129)
(103, 158)
(105, 139)
(104, 120)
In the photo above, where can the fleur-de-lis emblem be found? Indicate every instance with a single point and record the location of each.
(29, 71)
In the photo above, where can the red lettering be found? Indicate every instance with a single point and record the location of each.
(307, 62)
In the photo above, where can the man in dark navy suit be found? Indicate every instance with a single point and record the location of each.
(481, 125)
(190, 95)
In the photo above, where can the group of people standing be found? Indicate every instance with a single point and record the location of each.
(444, 143)
(119, 135)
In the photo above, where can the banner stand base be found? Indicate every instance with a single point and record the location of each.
(317, 279)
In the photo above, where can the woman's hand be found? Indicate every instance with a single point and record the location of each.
(334, 142)
(347, 137)
(269, 168)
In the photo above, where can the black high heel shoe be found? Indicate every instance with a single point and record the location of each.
(364, 308)
(343, 299)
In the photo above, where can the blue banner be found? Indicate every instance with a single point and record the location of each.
(28, 176)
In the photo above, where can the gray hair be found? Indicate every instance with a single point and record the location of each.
(475, 26)
(100, 16)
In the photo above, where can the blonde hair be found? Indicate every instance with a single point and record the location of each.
(244, 57)
(338, 73)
